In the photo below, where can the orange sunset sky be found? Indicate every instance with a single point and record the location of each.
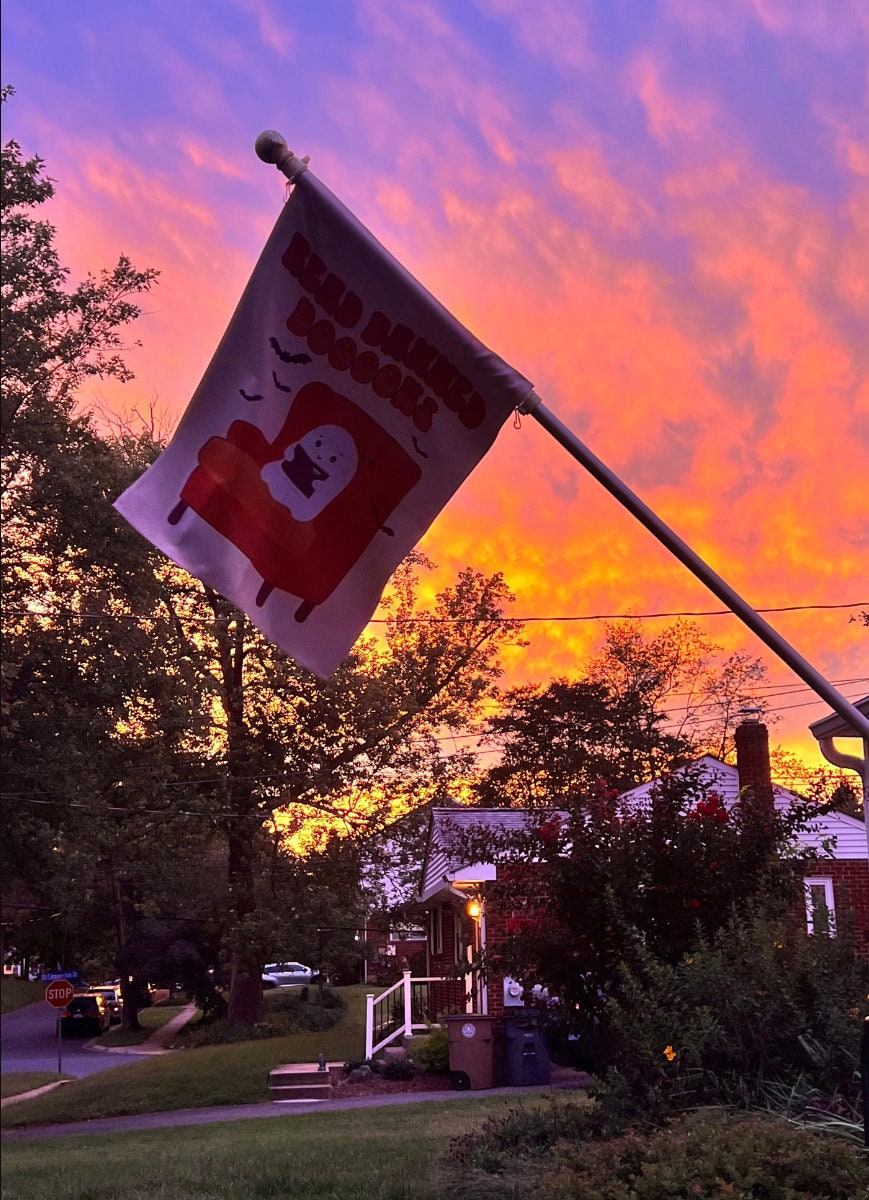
(656, 210)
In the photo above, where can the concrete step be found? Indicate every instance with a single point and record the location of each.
(289, 1075)
(301, 1091)
(299, 1081)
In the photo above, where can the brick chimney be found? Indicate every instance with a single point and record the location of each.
(752, 761)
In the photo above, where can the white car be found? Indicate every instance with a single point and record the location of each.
(287, 974)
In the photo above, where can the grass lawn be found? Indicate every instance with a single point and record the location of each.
(194, 1078)
(379, 1154)
(25, 1081)
(150, 1019)
(17, 993)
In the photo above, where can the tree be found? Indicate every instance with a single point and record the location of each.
(571, 735)
(73, 574)
(354, 750)
(679, 674)
(645, 706)
(134, 696)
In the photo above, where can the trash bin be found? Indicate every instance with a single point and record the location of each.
(527, 1060)
(476, 1050)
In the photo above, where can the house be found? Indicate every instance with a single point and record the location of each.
(457, 929)
(460, 924)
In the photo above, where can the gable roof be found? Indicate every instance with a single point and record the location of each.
(444, 870)
(849, 834)
(442, 867)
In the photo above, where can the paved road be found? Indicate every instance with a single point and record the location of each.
(29, 1043)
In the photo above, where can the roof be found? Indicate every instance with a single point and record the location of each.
(834, 726)
(443, 869)
(850, 834)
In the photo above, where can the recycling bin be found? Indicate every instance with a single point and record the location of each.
(527, 1059)
(476, 1050)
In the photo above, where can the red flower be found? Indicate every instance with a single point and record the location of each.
(550, 830)
(710, 809)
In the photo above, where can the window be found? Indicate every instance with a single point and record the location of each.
(820, 906)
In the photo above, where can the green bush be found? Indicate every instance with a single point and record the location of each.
(398, 1068)
(432, 1052)
(711, 1156)
(760, 1002)
(285, 1011)
(524, 1132)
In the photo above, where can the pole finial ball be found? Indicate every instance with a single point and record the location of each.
(271, 146)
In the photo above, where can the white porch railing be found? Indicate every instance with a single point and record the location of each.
(410, 1006)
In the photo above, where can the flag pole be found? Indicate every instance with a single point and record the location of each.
(271, 147)
(535, 408)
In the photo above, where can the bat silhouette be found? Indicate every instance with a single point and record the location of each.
(284, 356)
(283, 387)
(418, 448)
(245, 396)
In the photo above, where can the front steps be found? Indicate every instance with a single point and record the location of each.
(299, 1081)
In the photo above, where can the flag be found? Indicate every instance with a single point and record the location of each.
(342, 409)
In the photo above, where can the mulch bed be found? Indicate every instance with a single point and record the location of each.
(376, 1086)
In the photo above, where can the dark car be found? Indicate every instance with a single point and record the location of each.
(85, 1014)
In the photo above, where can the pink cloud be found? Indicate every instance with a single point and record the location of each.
(275, 29)
(669, 114)
(555, 30)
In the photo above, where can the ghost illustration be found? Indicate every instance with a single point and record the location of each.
(312, 471)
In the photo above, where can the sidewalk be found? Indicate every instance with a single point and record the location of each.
(158, 1042)
(256, 1112)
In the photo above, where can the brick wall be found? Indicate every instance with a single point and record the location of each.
(521, 893)
(851, 891)
(752, 764)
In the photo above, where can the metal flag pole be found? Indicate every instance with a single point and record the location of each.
(535, 408)
(271, 147)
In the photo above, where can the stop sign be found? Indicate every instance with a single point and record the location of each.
(59, 993)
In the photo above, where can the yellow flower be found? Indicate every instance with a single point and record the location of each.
(669, 1053)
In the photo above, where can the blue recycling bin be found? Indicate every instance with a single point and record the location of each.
(527, 1059)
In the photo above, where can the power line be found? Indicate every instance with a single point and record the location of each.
(436, 620)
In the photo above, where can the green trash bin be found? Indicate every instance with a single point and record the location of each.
(476, 1050)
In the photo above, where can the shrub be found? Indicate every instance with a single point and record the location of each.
(523, 1133)
(710, 1155)
(398, 1068)
(432, 1052)
(760, 1002)
(286, 1011)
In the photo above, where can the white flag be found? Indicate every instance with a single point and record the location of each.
(342, 409)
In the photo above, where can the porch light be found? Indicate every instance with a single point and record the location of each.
(474, 908)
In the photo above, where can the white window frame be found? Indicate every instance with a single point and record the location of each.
(825, 882)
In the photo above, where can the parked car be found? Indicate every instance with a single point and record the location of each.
(287, 974)
(87, 1013)
(111, 993)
